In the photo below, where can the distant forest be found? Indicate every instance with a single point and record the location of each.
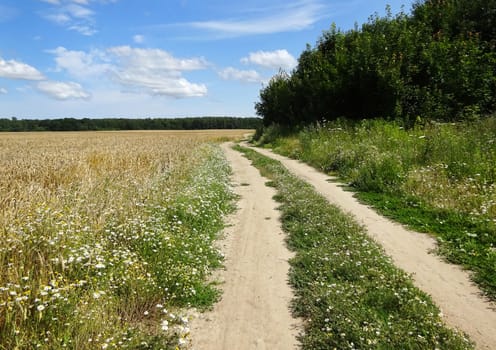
(86, 124)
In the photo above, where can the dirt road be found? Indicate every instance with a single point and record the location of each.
(254, 310)
(449, 286)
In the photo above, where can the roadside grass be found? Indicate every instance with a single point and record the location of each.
(436, 178)
(349, 293)
(108, 257)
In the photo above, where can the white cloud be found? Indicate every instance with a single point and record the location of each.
(290, 17)
(62, 90)
(155, 59)
(156, 72)
(80, 64)
(81, 2)
(271, 59)
(151, 71)
(165, 85)
(78, 11)
(17, 70)
(75, 15)
(58, 18)
(3, 91)
(248, 76)
(138, 39)
(84, 30)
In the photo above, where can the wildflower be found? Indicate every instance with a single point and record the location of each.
(165, 325)
(40, 308)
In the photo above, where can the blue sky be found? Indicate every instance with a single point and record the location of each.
(156, 58)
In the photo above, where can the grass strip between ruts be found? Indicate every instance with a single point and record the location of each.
(348, 292)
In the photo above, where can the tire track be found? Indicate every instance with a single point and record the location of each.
(254, 310)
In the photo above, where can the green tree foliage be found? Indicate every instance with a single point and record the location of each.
(276, 100)
(438, 62)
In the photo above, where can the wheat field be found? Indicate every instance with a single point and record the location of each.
(83, 218)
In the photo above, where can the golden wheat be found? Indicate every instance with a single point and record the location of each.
(93, 169)
(59, 194)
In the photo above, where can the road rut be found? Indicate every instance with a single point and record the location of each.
(254, 310)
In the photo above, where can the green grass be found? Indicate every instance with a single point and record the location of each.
(349, 293)
(438, 178)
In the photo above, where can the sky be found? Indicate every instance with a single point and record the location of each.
(157, 58)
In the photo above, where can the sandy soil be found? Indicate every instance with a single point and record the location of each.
(254, 310)
(449, 286)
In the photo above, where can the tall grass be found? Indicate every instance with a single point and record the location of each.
(438, 178)
(105, 236)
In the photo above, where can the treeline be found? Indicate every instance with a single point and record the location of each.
(86, 124)
(437, 62)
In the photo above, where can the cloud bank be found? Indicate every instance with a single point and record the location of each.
(151, 71)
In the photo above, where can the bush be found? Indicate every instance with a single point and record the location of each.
(380, 173)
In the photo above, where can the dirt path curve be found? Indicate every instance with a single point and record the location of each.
(254, 310)
(449, 286)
